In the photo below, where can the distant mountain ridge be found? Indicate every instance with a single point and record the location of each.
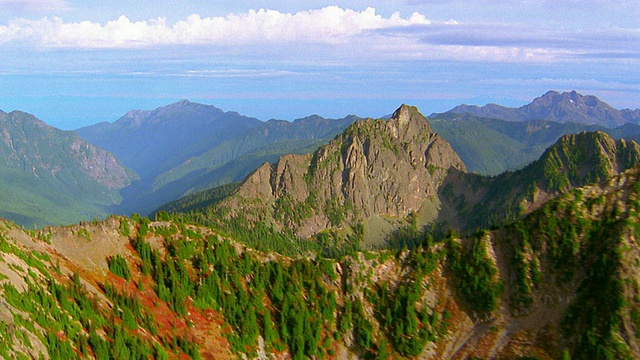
(170, 170)
(563, 107)
(151, 142)
(186, 147)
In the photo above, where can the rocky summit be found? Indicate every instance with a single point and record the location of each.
(382, 168)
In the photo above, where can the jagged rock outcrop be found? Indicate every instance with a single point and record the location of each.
(376, 167)
(580, 159)
(101, 165)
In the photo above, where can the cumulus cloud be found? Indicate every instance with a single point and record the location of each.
(333, 32)
(327, 25)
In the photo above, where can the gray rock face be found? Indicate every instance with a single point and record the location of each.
(101, 165)
(376, 167)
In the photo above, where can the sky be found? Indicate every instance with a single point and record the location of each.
(76, 63)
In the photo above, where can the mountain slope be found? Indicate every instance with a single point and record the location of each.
(151, 142)
(381, 178)
(491, 146)
(560, 282)
(185, 147)
(574, 160)
(560, 279)
(236, 157)
(52, 176)
(271, 137)
(568, 275)
(559, 107)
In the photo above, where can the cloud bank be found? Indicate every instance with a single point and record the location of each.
(344, 33)
(327, 25)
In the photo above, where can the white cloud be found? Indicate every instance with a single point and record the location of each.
(327, 25)
(314, 34)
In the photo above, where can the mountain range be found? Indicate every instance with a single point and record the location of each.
(567, 107)
(535, 263)
(492, 146)
(381, 175)
(183, 148)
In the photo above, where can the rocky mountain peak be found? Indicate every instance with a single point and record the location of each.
(383, 168)
(572, 99)
(183, 102)
(566, 107)
(133, 118)
(573, 107)
(407, 119)
(405, 114)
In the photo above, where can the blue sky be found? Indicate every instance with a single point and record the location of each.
(75, 63)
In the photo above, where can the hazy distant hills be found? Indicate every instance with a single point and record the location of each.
(151, 142)
(491, 146)
(185, 147)
(564, 107)
(265, 142)
(50, 176)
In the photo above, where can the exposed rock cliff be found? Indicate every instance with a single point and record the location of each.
(376, 167)
(30, 145)
(51, 176)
